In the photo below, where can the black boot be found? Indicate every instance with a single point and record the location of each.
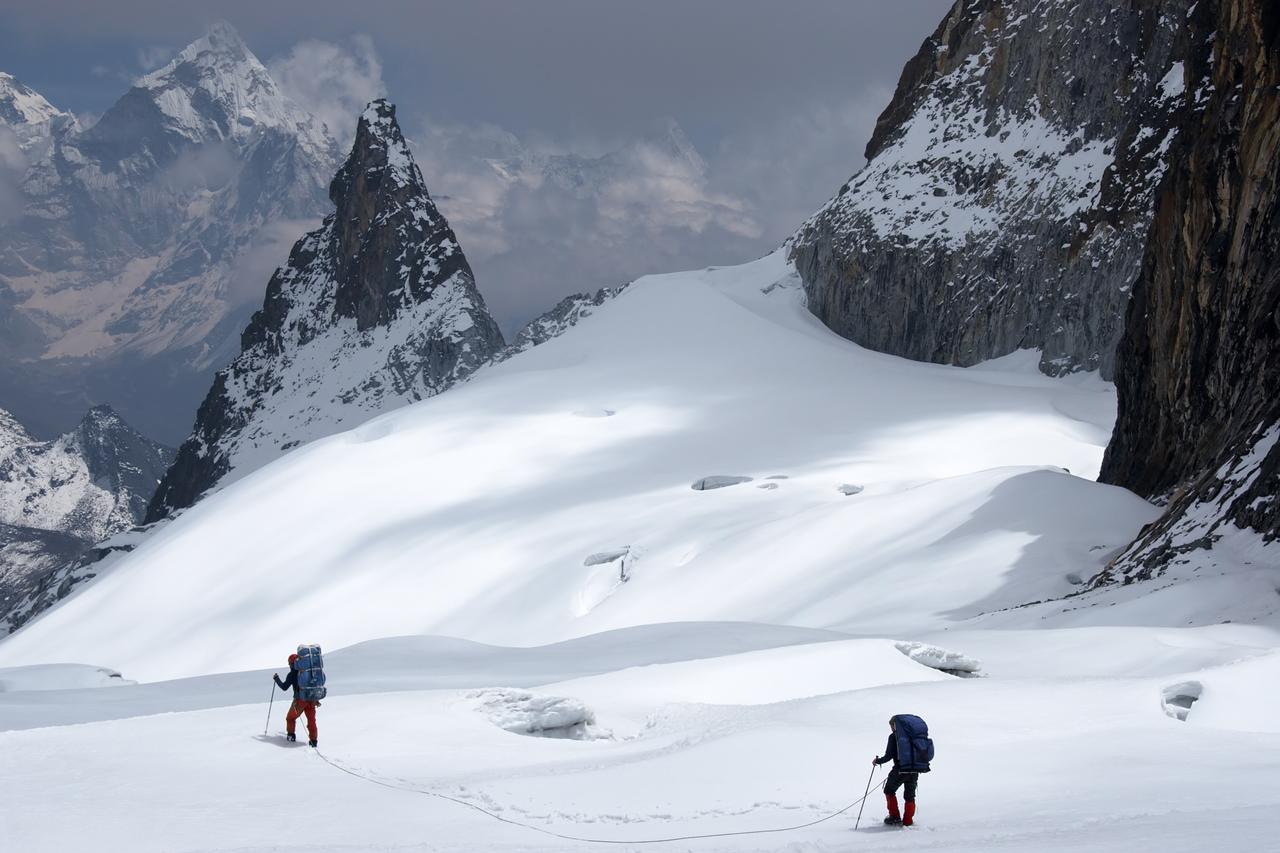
(291, 737)
(313, 743)
(893, 820)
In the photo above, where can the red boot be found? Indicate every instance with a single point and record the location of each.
(891, 800)
(909, 814)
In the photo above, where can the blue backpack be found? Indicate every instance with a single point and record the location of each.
(915, 747)
(310, 667)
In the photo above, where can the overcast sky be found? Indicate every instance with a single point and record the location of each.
(779, 98)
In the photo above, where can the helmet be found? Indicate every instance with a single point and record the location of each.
(293, 659)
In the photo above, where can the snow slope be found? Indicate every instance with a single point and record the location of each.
(472, 514)
(748, 728)
(506, 511)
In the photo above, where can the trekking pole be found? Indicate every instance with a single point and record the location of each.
(865, 794)
(269, 704)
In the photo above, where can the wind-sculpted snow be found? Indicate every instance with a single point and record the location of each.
(375, 309)
(472, 513)
(525, 713)
(716, 729)
(1008, 189)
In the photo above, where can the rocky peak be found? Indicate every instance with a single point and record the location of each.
(382, 202)
(137, 234)
(32, 120)
(375, 309)
(59, 498)
(21, 105)
(215, 90)
(91, 482)
(1009, 186)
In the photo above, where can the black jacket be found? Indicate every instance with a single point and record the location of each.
(890, 751)
(291, 680)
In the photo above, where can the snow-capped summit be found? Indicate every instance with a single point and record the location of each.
(31, 118)
(92, 482)
(20, 104)
(375, 309)
(58, 498)
(136, 236)
(216, 88)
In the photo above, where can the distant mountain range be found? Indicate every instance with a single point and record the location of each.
(58, 498)
(142, 242)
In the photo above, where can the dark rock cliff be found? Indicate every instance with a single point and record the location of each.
(1199, 364)
(1009, 186)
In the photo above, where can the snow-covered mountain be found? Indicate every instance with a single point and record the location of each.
(31, 119)
(375, 309)
(134, 236)
(58, 498)
(1009, 186)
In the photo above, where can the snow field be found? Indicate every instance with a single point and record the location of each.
(450, 558)
(471, 514)
(750, 740)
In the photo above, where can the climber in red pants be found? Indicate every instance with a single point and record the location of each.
(299, 706)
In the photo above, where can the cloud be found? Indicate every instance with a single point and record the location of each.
(785, 169)
(330, 81)
(542, 220)
(153, 56)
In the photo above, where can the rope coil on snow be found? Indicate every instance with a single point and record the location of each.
(588, 840)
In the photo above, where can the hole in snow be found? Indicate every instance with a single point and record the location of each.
(1177, 699)
(606, 556)
(718, 481)
(778, 477)
(943, 660)
(594, 413)
(523, 713)
(849, 489)
(767, 486)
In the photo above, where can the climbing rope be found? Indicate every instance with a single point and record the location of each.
(566, 837)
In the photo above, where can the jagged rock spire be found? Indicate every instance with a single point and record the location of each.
(375, 309)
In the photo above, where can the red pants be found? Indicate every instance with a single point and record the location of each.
(297, 709)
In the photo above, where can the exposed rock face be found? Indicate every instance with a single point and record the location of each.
(375, 309)
(1009, 186)
(58, 498)
(1199, 368)
(121, 274)
(564, 316)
